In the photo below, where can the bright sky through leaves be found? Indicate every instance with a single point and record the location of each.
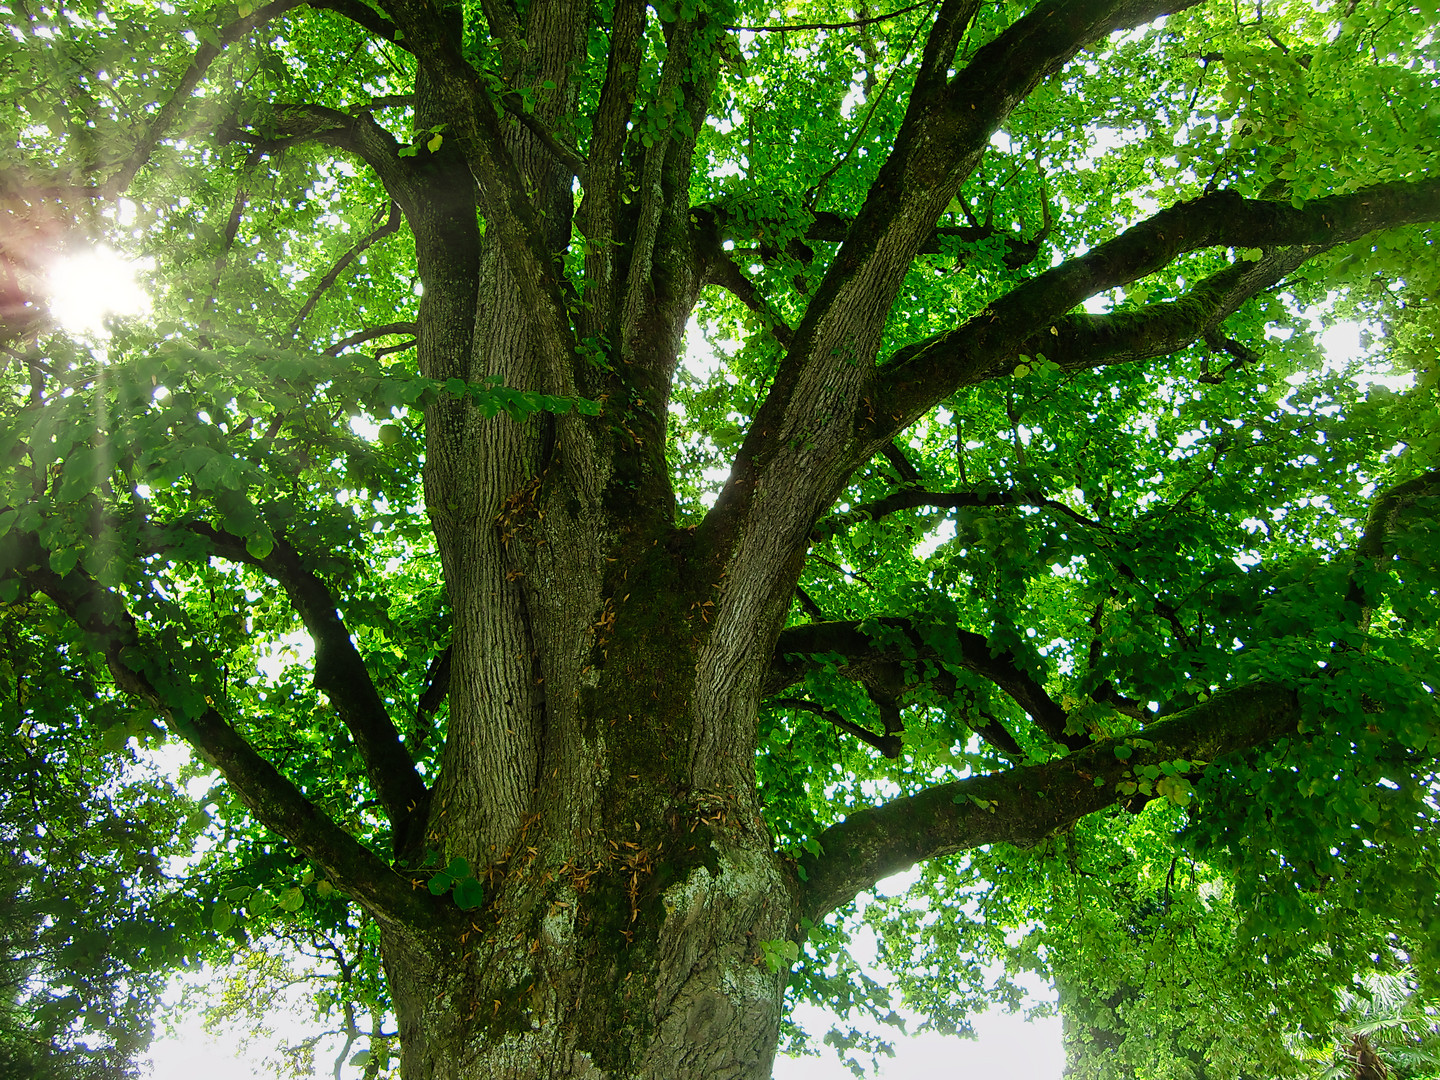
(89, 286)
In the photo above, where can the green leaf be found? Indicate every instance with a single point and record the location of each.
(260, 544)
(222, 916)
(469, 893)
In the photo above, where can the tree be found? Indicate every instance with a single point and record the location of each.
(89, 928)
(1016, 498)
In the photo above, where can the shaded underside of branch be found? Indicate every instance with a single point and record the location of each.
(1024, 805)
(799, 645)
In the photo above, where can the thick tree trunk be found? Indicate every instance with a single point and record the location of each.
(598, 766)
(605, 956)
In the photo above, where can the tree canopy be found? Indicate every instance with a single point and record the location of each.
(600, 486)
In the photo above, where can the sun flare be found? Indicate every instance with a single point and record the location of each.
(88, 287)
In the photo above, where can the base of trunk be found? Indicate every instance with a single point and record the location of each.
(619, 972)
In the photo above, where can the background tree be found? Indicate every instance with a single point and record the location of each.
(582, 679)
(90, 930)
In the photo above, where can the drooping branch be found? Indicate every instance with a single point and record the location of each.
(514, 104)
(1024, 805)
(341, 674)
(986, 345)
(363, 15)
(799, 645)
(726, 273)
(1380, 526)
(888, 744)
(369, 334)
(902, 465)
(143, 672)
(354, 133)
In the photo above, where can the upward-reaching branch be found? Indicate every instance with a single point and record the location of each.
(473, 120)
(946, 129)
(598, 215)
(1037, 314)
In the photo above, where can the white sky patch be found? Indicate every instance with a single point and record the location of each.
(1343, 344)
(1006, 1044)
(294, 648)
(927, 547)
(88, 287)
(365, 427)
(701, 359)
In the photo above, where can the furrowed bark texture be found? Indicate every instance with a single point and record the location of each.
(606, 668)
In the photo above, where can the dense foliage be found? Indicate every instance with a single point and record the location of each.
(1101, 575)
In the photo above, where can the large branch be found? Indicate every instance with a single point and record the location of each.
(1026, 804)
(798, 645)
(472, 116)
(340, 672)
(986, 345)
(143, 672)
(1022, 806)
